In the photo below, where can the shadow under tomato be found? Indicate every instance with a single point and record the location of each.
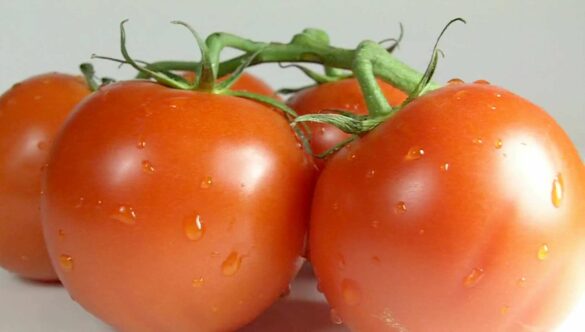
(37, 283)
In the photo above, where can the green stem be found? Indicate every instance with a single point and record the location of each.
(363, 69)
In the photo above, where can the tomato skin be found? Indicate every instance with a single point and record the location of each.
(246, 82)
(341, 95)
(30, 115)
(131, 175)
(444, 219)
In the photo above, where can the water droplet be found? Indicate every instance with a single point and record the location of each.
(543, 252)
(173, 106)
(493, 108)
(207, 182)
(334, 317)
(231, 264)
(125, 214)
(375, 223)
(478, 140)
(445, 167)
(473, 278)
(414, 153)
(400, 207)
(80, 202)
(421, 231)
(335, 206)
(61, 234)
(43, 145)
(460, 94)
(455, 81)
(481, 82)
(557, 190)
(193, 227)
(499, 144)
(340, 261)
(44, 167)
(141, 144)
(351, 292)
(521, 282)
(498, 95)
(351, 156)
(99, 202)
(322, 130)
(147, 167)
(66, 262)
(198, 282)
(370, 174)
(504, 310)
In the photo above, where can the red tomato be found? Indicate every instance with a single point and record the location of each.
(30, 115)
(463, 212)
(246, 82)
(170, 210)
(341, 95)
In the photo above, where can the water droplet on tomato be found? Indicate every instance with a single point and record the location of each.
(481, 82)
(80, 202)
(231, 264)
(455, 81)
(334, 317)
(193, 227)
(125, 214)
(414, 153)
(473, 278)
(400, 207)
(322, 130)
(335, 206)
(351, 156)
(207, 182)
(351, 292)
(543, 252)
(521, 282)
(141, 144)
(498, 95)
(66, 262)
(478, 140)
(493, 108)
(445, 167)
(557, 191)
(44, 167)
(341, 262)
(198, 282)
(61, 234)
(43, 145)
(375, 223)
(460, 94)
(370, 174)
(499, 144)
(147, 167)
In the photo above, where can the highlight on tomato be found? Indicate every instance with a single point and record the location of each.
(31, 113)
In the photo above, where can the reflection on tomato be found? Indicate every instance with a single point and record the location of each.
(169, 210)
(463, 212)
(30, 115)
(341, 95)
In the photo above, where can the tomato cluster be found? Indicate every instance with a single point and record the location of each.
(170, 209)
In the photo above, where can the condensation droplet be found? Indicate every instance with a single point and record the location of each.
(341, 262)
(481, 82)
(141, 144)
(61, 234)
(498, 95)
(207, 182)
(351, 156)
(499, 144)
(198, 282)
(400, 207)
(351, 292)
(193, 227)
(80, 202)
(455, 81)
(44, 167)
(334, 317)
(473, 278)
(557, 192)
(66, 262)
(147, 167)
(543, 252)
(445, 167)
(43, 145)
(322, 130)
(375, 223)
(493, 108)
(231, 264)
(370, 174)
(460, 94)
(478, 140)
(521, 282)
(414, 153)
(125, 214)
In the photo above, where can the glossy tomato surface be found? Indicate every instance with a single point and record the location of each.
(169, 210)
(463, 212)
(341, 95)
(31, 112)
(246, 82)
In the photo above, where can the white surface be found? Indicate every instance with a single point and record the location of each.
(534, 48)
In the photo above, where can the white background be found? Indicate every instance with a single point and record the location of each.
(534, 48)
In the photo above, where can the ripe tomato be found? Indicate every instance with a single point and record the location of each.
(341, 95)
(30, 115)
(463, 212)
(170, 210)
(246, 82)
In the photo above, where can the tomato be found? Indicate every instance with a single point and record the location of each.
(170, 210)
(30, 115)
(246, 82)
(463, 212)
(341, 95)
